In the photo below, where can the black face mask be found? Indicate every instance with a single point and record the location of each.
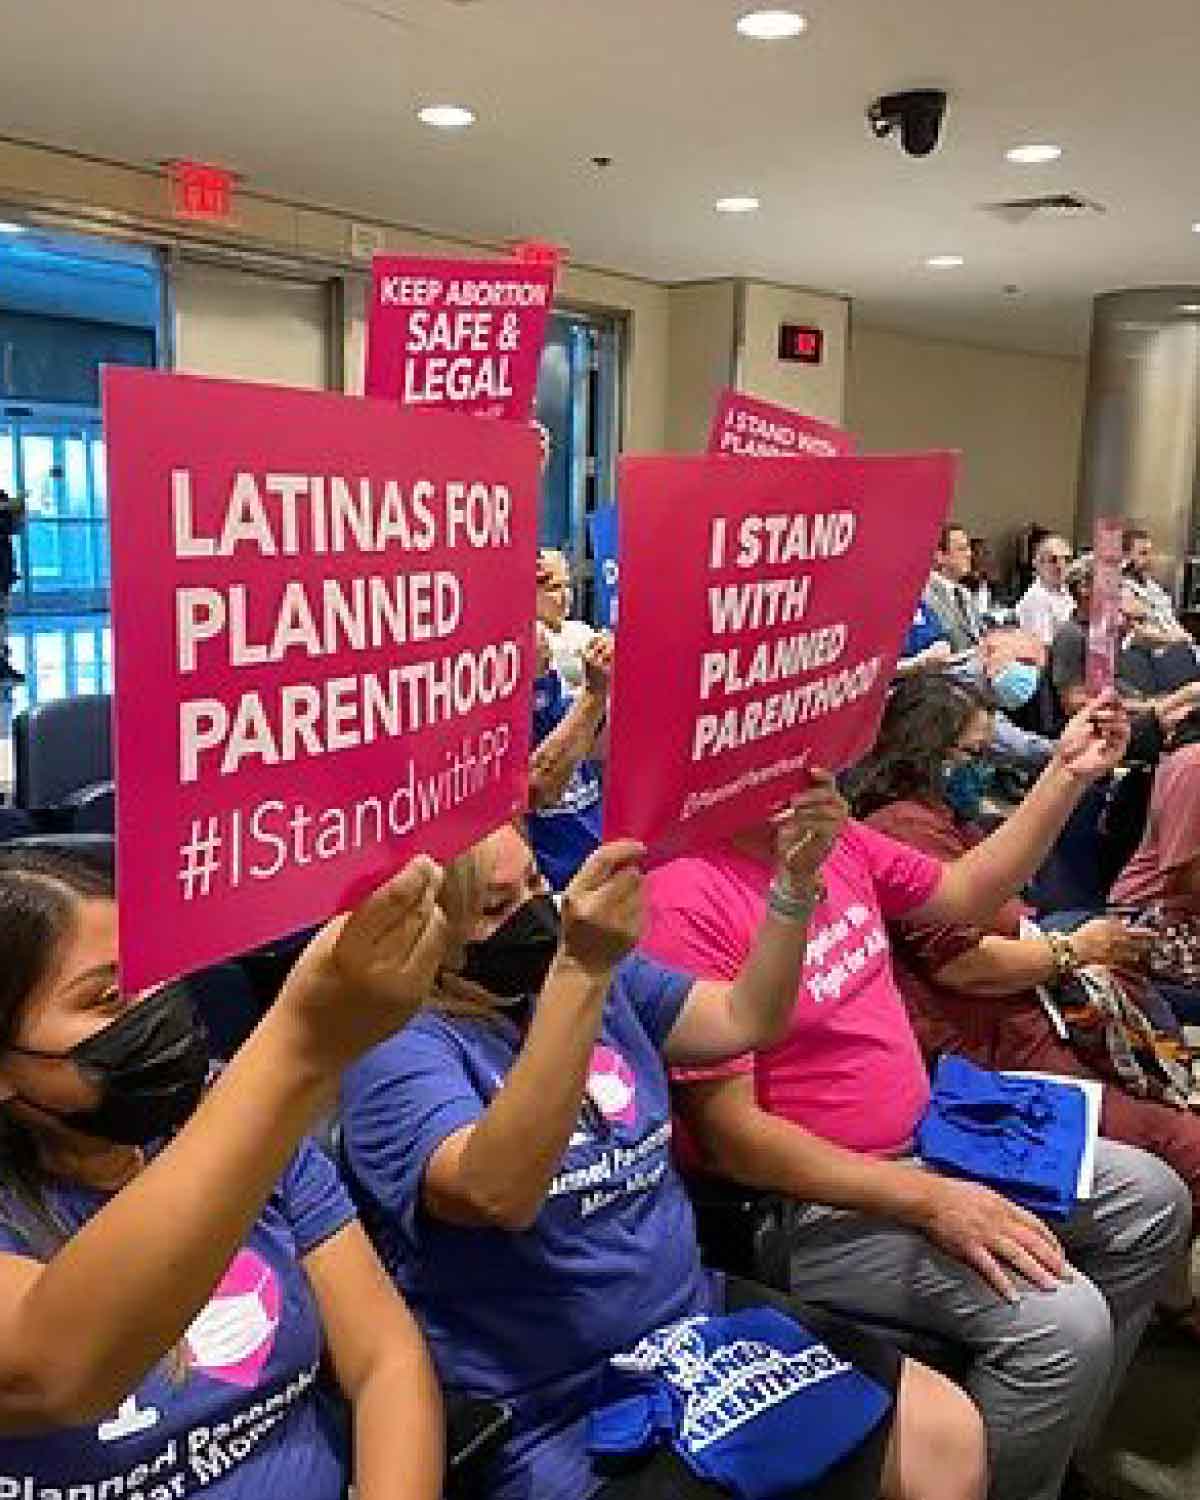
(514, 962)
(150, 1064)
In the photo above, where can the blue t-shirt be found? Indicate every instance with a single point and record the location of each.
(564, 835)
(925, 631)
(531, 1318)
(240, 1419)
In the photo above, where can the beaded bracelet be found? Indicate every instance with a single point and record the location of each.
(784, 902)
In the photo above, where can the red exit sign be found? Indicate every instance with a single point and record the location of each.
(200, 190)
(799, 345)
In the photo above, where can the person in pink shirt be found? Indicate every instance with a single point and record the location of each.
(1166, 865)
(828, 1115)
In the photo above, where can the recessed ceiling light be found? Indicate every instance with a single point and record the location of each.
(737, 205)
(944, 262)
(1190, 309)
(446, 116)
(771, 25)
(1033, 156)
(12, 228)
(1196, 227)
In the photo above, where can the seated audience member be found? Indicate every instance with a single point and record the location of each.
(828, 1115)
(156, 1287)
(565, 783)
(1068, 662)
(510, 1153)
(1155, 666)
(1007, 666)
(1161, 626)
(568, 638)
(1166, 866)
(1047, 602)
(947, 594)
(972, 989)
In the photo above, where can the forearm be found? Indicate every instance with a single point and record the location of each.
(1000, 966)
(777, 1156)
(564, 748)
(124, 1288)
(1182, 698)
(399, 1428)
(762, 997)
(978, 883)
(517, 1146)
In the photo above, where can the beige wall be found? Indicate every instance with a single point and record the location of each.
(703, 332)
(1016, 417)
(104, 196)
(727, 333)
(816, 390)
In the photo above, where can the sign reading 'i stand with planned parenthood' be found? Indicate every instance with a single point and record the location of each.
(763, 605)
(321, 611)
(745, 427)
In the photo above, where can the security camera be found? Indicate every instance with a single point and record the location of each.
(917, 112)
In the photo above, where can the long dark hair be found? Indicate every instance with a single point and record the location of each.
(924, 718)
(40, 889)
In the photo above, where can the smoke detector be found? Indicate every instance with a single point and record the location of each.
(1044, 206)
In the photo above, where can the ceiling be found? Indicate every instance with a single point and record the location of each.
(315, 100)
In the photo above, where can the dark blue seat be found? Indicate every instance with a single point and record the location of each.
(60, 748)
(744, 1232)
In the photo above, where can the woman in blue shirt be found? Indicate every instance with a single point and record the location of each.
(165, 1308)
(510, 1155)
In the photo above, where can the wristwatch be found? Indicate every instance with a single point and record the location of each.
(1062, 952)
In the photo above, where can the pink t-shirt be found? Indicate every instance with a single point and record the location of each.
(849, 1068)
(1172, 836)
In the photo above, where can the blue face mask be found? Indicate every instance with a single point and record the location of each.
(1016, 685)
(964, 786)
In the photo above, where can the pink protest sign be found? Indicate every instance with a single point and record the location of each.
(1104, 626)
(321, 611)
(763, 604)
(463, 335)
(745, 427)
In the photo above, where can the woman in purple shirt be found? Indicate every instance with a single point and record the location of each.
(510, 1153)
(165, 1308)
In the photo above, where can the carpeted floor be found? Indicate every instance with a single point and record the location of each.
(1152, 1446)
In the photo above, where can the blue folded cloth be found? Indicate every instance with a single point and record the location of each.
(1025, 1137)
(751, 1402)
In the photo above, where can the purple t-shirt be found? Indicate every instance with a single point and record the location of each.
(531, 1318)
(240, 1419)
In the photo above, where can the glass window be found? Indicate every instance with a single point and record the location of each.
(99, 476)
(40, 474)
(49, 653)
(75, 471)
(8, 461)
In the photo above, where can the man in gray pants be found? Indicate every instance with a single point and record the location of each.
(827, 1118)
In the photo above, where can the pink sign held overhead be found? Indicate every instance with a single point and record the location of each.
(321, 611)
(460, 335)
(745, 427)
(1105, 624)
(763, 605)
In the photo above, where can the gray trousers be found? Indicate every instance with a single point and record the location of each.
(1044, 1370)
